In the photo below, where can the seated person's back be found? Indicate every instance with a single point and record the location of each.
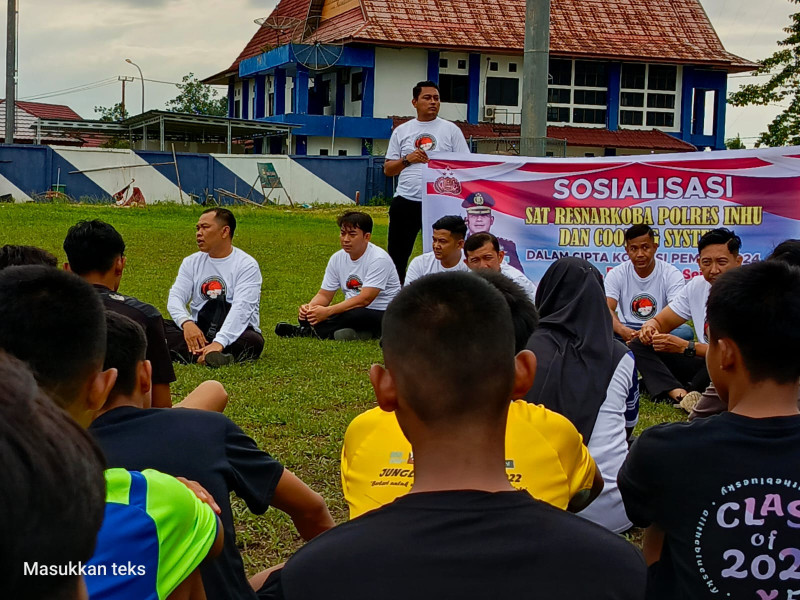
(586, 375)
(463, 527)
(720, 495)
(203, 446)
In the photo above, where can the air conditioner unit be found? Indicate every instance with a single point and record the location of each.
(489, 112)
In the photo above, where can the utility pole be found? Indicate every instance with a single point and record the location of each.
(123, 79)
(11, 70)
(535, 71)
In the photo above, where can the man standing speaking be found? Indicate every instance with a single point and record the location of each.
(406, 157)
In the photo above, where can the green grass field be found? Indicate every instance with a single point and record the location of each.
(297, 400)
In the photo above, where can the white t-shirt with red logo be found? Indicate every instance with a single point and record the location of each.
(426, 264)
(437, 135)
(641, 299)
(373, 269)
(202, 278)
(691, 304)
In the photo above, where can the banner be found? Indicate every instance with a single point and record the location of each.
(544, 208)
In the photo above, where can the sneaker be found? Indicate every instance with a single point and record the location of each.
(348, 335)
(689, 401)
(218, 359)
(287, 330)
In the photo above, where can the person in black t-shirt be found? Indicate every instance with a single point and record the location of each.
(720, 496)
(203, 446)
(96, 252)
(462, 531)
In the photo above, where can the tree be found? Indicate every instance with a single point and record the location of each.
(784, 84)
(735, 143)
(198, 98)
(111, 114)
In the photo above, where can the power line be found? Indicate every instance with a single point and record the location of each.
(71, 90)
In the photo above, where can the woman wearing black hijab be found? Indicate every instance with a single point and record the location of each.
(586, 375)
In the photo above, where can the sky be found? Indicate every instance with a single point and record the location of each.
(64, 44)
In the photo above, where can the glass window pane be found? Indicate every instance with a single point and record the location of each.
(631, 117)
(502, 91)
(594, 97)
(560, 71)
(662, 77)
(633, 76)
(660, 101)
(556, 114)
(660, 119)
(591, 74)
(454, 88)
(589, 115)
(462, 63)
(631, 99)
(558, 96)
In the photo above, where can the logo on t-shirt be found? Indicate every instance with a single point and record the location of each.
(354, 283)
(643, 307)
(425, 141)
(213, 287)
(745, 541)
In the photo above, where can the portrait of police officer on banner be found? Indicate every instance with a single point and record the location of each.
(479, 219)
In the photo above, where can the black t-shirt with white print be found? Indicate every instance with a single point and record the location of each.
(726, 492)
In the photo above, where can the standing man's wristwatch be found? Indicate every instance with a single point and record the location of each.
(405, 161)
(689, 350)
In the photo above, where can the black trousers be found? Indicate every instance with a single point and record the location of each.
(360, 319)
(248, 346)
(666, 371)
(405, 223)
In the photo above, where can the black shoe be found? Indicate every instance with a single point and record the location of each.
(287, 330)
(218, 359)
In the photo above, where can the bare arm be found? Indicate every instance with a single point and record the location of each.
(307, 509)
(317, 314)
(623, 331)
(652, 544)
(663, 322)
(585, 497)
(322, 298)
(393, 167)
(160, 396)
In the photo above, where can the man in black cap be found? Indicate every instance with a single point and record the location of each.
(480, 219)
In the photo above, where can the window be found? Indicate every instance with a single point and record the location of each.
(270, 103)
(443, 62)
(357, 86)
(502, 91)
(493, 66)
(649, 95)
(342, 152)
(237, 109)
(577, 92)
(323, 152)
(512, 67)
(454, 88)
(462, 63)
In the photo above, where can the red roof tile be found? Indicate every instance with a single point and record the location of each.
(676, 31)
(48, 111)
(638, 139)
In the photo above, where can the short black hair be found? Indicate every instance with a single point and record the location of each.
(524, 315)
(423, 84)
(448, 341)
(54, 321)
(721, 235)
(454, 224)
(126, 346)
(635, 231)
(356, 220)
(224, 216)
(93, 246)
(758, 307)
(53, 495)
(477, 240)
(12, 255)
(788, 251)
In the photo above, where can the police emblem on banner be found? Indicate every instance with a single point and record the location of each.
(447, 184)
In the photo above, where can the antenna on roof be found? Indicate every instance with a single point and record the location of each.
(317, 43)
(278, 23)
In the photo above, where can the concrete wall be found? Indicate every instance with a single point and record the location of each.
(352, 146)
(396, 73)
(94, 175)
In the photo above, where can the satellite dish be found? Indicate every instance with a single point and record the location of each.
(278, 23)
(317, 44)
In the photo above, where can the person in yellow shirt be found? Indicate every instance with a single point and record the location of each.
(545, 454)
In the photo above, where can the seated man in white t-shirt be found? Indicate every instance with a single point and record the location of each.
(222, 286)
(448, 240)
(482, 251)
(670, 366)
(642, 286)
(367, 277)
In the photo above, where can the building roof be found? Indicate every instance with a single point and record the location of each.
(638, 139)
(674, 31)
(48, 111)
(25, 117)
